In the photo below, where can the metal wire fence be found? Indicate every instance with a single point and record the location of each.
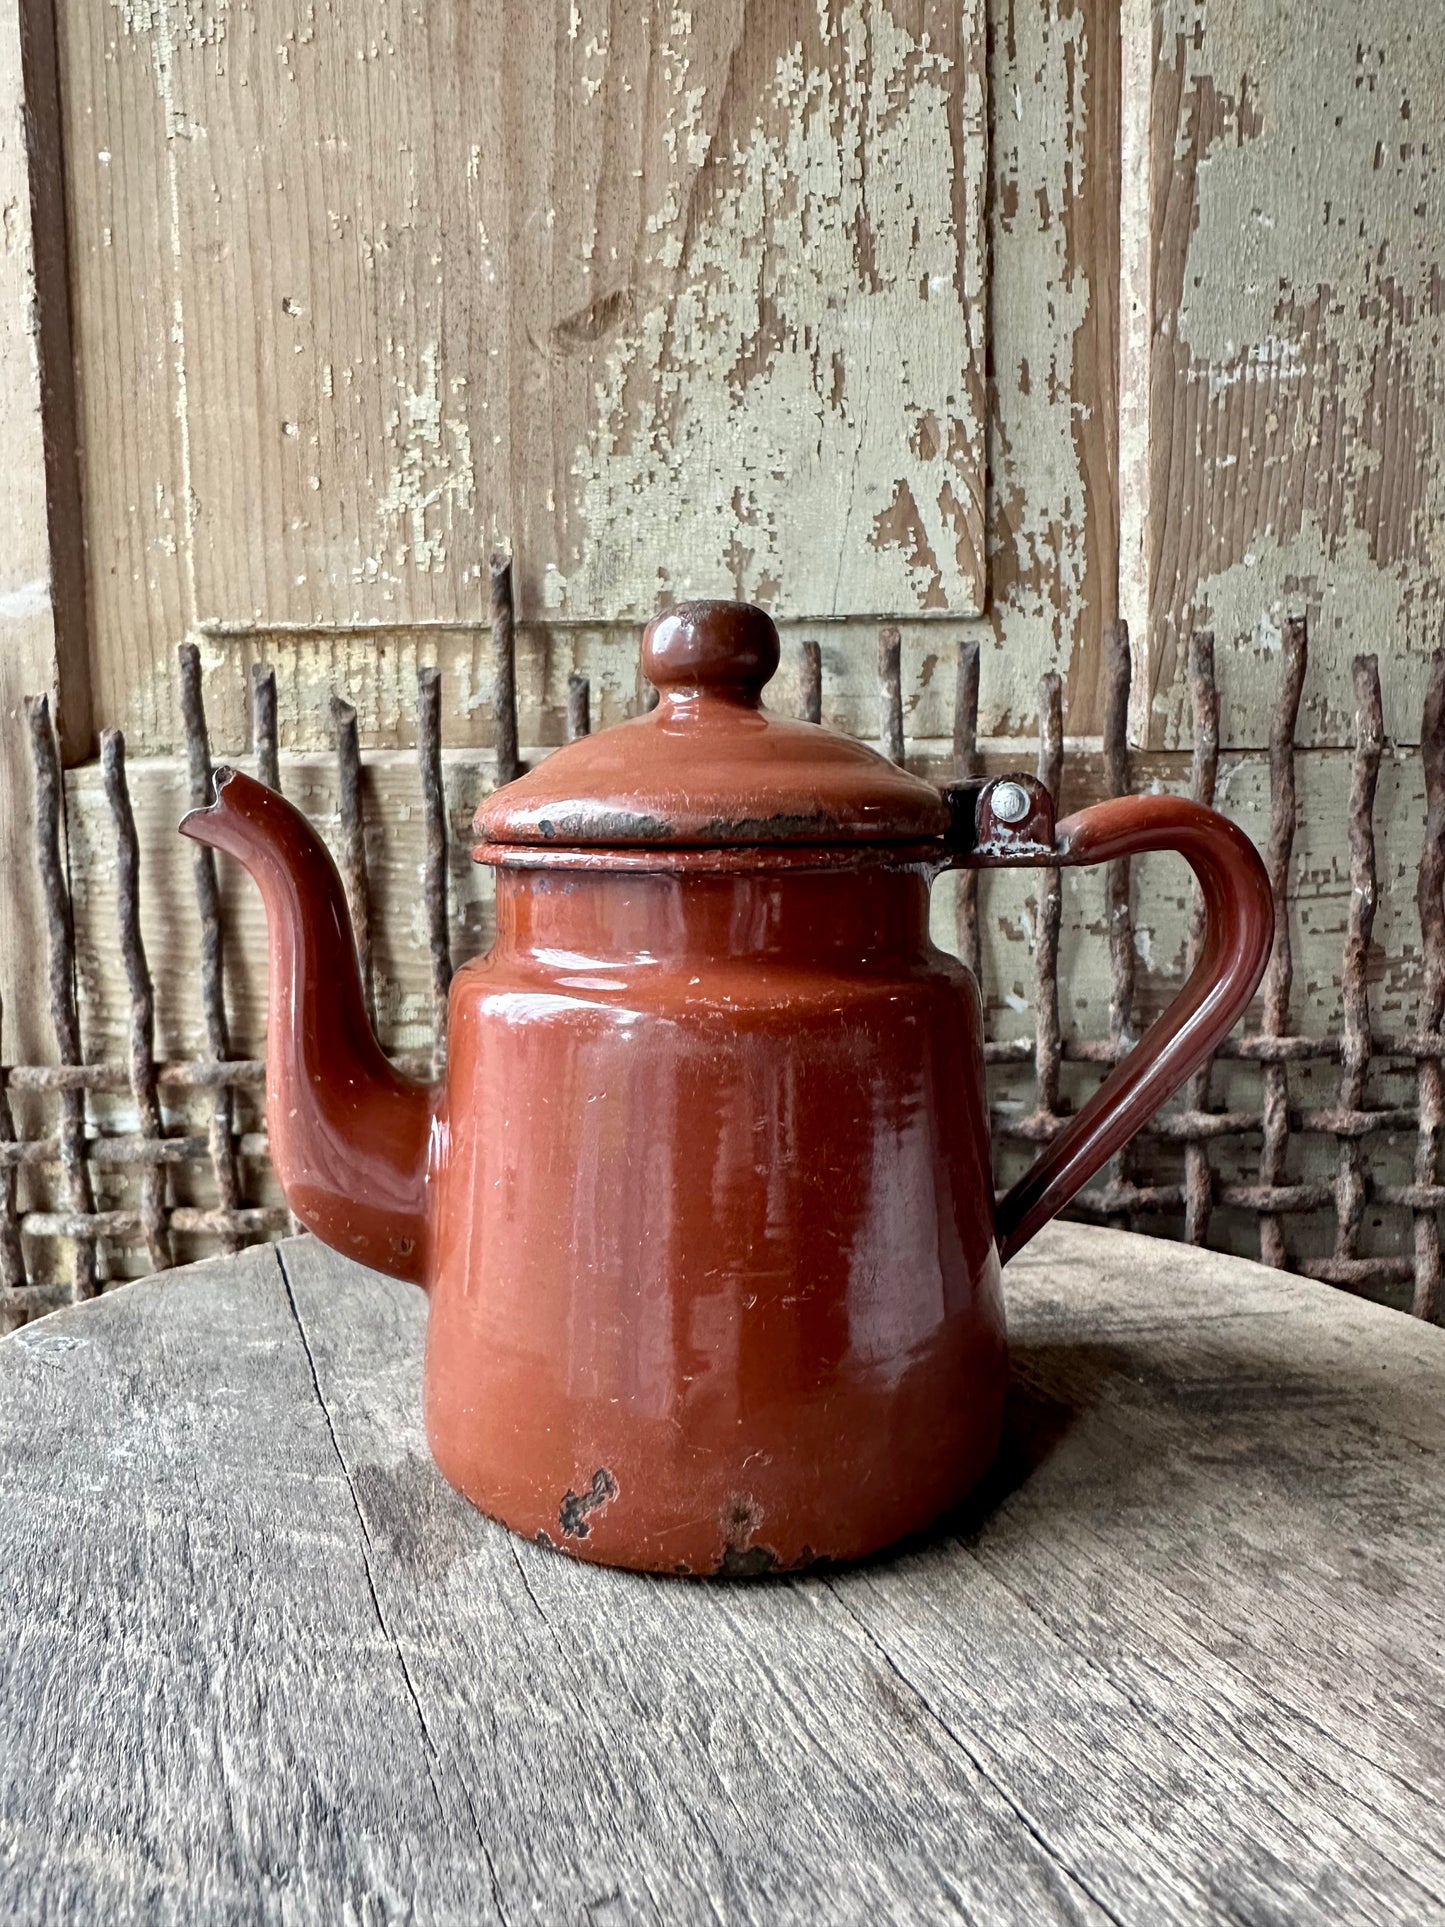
(1235, 1160)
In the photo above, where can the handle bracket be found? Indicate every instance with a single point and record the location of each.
(1009, 819)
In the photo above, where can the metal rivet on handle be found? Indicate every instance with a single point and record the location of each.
(1010, 803)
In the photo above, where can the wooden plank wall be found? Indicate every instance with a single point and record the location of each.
(672, 302)
(348, 312)
(1292, 207)
(334, 271)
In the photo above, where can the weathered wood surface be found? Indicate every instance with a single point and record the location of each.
(357, 294)
(364, 291)
(1180, 1662)
(1290, 459)
(348, 308)
(33, 594)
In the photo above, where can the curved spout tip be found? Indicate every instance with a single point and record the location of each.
(198, 823)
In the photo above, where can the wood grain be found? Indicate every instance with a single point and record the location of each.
(1091, 228)
(1179, 1662)
(1053, 268)
(29, 645)
(226, 293)
(1295, 409)
(674, 302)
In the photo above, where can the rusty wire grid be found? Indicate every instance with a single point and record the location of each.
(1198, 1159)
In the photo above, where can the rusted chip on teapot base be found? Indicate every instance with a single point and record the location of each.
(572, 1514)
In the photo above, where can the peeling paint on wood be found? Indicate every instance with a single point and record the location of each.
(432, 481)
(792, 406)
(359, 298)
(665, 299)
(387, 307)
(1053, 268)
(1297, 392)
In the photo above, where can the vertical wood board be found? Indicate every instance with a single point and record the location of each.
(1053, 274)
(676, 302)
(1296, 387)
(27, 618)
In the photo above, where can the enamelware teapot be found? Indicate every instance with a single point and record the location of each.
(704, 1205)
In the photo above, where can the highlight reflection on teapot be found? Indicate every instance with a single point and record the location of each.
(704, 1207)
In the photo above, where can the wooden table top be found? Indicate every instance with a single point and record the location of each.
(1183, 1661)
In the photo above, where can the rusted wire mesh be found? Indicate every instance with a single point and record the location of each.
(1196, 1161)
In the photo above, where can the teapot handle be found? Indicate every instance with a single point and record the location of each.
(1009, 822)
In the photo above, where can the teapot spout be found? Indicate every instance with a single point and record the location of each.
(350, 1137)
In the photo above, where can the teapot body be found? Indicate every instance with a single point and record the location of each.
(705, 1206)
(712, 1269)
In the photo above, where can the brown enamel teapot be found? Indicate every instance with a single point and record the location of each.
(704, 1206)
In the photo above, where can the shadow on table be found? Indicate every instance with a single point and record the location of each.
(1308, 1427)
(1051, 1387)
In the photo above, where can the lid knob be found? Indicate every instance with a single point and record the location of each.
(727, 647)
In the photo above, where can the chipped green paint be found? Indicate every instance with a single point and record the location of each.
(794, 411)
(432, 481)
(1039, 295)
(1298, 414)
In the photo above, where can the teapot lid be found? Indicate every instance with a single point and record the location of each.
(709, 765)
